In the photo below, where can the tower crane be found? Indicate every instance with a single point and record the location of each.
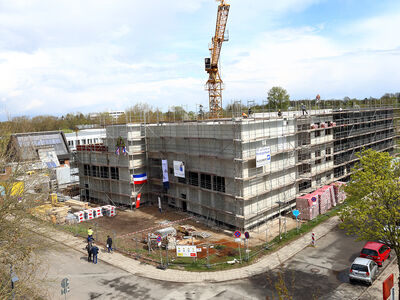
(214, 82)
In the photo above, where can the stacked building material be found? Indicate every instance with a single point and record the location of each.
(338, 188)
(77, 205)
(59, 213)
(308, 206)
(324, 199)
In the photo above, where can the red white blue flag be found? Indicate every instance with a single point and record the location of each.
(140, 178)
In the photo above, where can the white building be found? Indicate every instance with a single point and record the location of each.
(85, 137)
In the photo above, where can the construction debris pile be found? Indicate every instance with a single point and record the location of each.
(181, 235)
(71, 211)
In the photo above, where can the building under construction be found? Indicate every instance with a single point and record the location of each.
(237, 172)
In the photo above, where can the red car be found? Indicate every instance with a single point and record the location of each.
(375, 251)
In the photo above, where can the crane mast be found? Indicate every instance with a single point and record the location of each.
(214, 82)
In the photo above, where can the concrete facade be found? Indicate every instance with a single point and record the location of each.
(224, 180)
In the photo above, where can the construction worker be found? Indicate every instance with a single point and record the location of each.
(279, 113)
(94, 252)
(90, 233)
(303, 108)
(244, 115)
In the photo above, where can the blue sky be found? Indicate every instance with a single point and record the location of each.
(68, 56)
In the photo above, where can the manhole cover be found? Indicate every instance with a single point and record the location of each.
(314, 270)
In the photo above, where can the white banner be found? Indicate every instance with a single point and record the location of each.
(179, 169)
(186, 251)
(164, 163)
(263, 156)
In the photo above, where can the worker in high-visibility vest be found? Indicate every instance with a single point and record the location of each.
(90, 234)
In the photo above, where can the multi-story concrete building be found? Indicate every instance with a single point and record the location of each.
(237, 172)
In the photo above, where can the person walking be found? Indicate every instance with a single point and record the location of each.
(94, 251)
(89, 251)
(279, 113)
(109, 244)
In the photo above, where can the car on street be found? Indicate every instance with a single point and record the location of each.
(363, 269)
(376, 251)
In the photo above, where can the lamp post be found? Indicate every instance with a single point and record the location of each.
(14, 279)
(280, 218)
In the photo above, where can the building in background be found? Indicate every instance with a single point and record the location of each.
(46, 150)
(85, 137)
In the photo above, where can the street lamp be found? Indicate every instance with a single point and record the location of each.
(14, 278)
(280, 218)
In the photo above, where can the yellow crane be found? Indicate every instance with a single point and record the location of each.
(214, 82)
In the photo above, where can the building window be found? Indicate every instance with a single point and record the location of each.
(318, 153)
(78, 142)
(84, 142)
(329, 158)
(182, 180)
(104, 172)
(95, 171)
(171, 171)
(205, 181)
(317, 133)
(219, 184)
(318, 161)
(328, 131)
(114, 173)
(328, 151)
(304, 185)
(194, 178)
(86, 170)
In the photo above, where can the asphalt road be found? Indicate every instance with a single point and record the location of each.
(314, 273)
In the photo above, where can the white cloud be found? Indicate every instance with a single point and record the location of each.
(64, 56)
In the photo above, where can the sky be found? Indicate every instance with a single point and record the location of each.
(59, 57)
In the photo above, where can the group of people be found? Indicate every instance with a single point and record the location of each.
(92, 249)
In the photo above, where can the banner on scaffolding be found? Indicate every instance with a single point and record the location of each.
(179, 169)
(165, 178)
(263, 156)
(138, 200)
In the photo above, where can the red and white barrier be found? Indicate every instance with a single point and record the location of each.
(89, 214)
(109, 210)
(97, 212)
(80, 216)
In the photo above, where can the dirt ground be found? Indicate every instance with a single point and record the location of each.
(129, 229)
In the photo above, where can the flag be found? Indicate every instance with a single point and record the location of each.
(124, 150)
(138, 200)
(140, 178)
(117, 151)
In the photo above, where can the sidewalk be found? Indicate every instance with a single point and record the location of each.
(267, 262)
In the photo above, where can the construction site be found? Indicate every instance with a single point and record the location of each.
(201, 179)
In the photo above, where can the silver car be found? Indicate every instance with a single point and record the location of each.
(363, 269)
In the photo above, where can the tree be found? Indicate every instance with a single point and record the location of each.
(17, 243)
(278, 98)
(373, 200)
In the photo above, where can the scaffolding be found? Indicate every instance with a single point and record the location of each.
(223, 183)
